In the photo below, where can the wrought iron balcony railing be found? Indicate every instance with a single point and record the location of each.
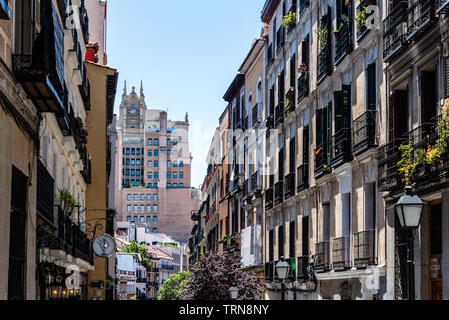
(303, 177)
(341, 147)
(290, 102)
(255, 116)
(245, 188)
(289, 188)
(278, 115)
(303, 4)
(364, 135)
(395, 30)
(269, 198)
(291, 26)
(324, 63)
(278, 192)
(269, 125)
(388, 157)
(236, 184)
(322, 165)
(362, 29)
(45, 193)
(280, 38)
(341, 253)
(420, 17)
(269, 271)
(303, 86)
(365, 249)
(270, 55)
(302, 267)
(245, 124)
(343, 42)
(322, 256)
(442, 7)
(256, 182)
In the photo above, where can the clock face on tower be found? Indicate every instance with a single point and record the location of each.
(132, 112)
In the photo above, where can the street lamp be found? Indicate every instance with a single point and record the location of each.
(282, 271)
(409, 210)
(55, 289)
(233, 291)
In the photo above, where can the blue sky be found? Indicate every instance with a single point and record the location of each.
(187, 54)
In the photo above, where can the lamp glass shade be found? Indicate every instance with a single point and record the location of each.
(233, 291)
(282, 269)
(55, 289)
(409, 209)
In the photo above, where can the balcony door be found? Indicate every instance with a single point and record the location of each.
(429, 93)
(24, 28)
(398, 110)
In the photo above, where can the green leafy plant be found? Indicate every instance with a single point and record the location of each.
(67, 201)
(141, 249)
(410, 160)
(434, 153)
(361, 18)
(173, 287)
(289, 19)
(322, 36)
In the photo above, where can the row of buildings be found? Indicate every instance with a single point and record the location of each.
(304, 163)
(57, 99)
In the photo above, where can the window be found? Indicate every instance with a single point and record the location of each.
(175, 142)
(168, 152)
(156, 164)
(156, 142)
(133, 162)
(155, 207)
(150, 152)
(169, 164)
(150, 164)
(181, 185)
(175, 152)
(181, 164)
(137, 183)
(175, 164)
(175, 185)
(128, 218)
(154, 218)
(136, 197)
(175, 175)
(142, 208)
(156, 153)
(142, 197)
(133, 172)
(181, 175)
(133, 183)
(135, 208)
(148, 208)
(156, 185)
(154, 230)
(138, 152)
(138, 162)
(150, 175)
(142, 219)
(150, 185)
(127, 151)
(155, 197)
(129, 197)
(136, 219)
(168, 175)
(129, 208)
(156, 175)
(150, 142)
(127, 162)
(133, 151)
(168, 185)
(148, 197)
(138, 172)
(148, 219)
(127, 172)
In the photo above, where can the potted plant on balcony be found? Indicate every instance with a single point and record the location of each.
(302, 69)
(361, 19)
(289, 20)
(322, 36)
(435, 153)
(237, 238)
(410, 161)
(67, 201)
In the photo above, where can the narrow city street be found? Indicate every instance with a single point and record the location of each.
(223, 155)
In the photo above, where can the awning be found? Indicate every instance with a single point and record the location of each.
(141, 290)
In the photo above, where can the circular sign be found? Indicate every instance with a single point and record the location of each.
(104, 246)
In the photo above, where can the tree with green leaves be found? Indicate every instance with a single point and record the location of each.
(173, 287)
(141, 249)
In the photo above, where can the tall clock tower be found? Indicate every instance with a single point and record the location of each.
(132, 108)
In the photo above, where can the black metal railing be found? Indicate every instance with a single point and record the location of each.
(278, 192)
(321, 160)
(420, 17)
(395, 30)
(388, 156)
(302, 267)
(303, 177)
(255, 116)
(290, 102)
(362, 28)
(365, 249)
(303, 4)
(324, 62)
(280, 38)
(341, 253)
(278, 114)
(245, 124)
(269, 124)
(256, 182)
(269, 271)
(364, 132)
(87, 163)
(45, 193)
(270, 55)
(442, 7)
(289, 188)
(341, 147)
(343, 41)
(303, 86)
(236, 185)
(322, 257)
(269, 198)
(84, 19)
(245, 188)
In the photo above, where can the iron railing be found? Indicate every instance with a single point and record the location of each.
(292, 25)
(302, 267)
(289, 188)
(343, 42)
(255, 116)
(269, 271)
(341, 147)
(278, 192)
(388, 156)
(245, 189)
(278, 114)
(256, 183)
(365, 249)
(270, 55)
(364, 132)
(322, 257)
(324, 62)
(291, 277)
(280, 38)
(442, 7)
(303, 177)
(269, 199)
(395, 30)
(303, 86)
(45, 193)
(341, 253)
(321, 160)
(420, 17)
(362, 29)
(290, 103)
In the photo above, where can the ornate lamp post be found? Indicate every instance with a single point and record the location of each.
(409, 210)
(282, 271)
(233, 292)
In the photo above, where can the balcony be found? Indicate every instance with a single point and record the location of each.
(364, 135)
(388, 157)
(270, 55)
(303, 86)
(245, 124)
(341, 147)
(362, 29)
(341, 253)
(278, 192)
(322, 255)
(87, 164)
(269, 271)
(343, 42)
(395, 30)
(256, 182)
(302, 266)
(279, 38)
(245, 189)
(166, 266)
(255, 116)
(84, 19)
(278, 115)
(45, 193)
(291, 26)
(289, 188)
(442, 6)
(420, 17)
(291, 277)
(270, 124)
(85, 89)
(324, 63)
(268, 199)
(303, 177)
(365, 249)
(290, 104)
(236, 184)
(303, 5)
(321, 161)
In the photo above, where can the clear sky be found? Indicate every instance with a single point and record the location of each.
(187, 53)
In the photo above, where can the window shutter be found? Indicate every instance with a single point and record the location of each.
(305, 145)
(58, 46)
(328, 123)
(446, 77)
(338, 100)
(319, 127)
(292, 154)
(371, 87)
(293, 71)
